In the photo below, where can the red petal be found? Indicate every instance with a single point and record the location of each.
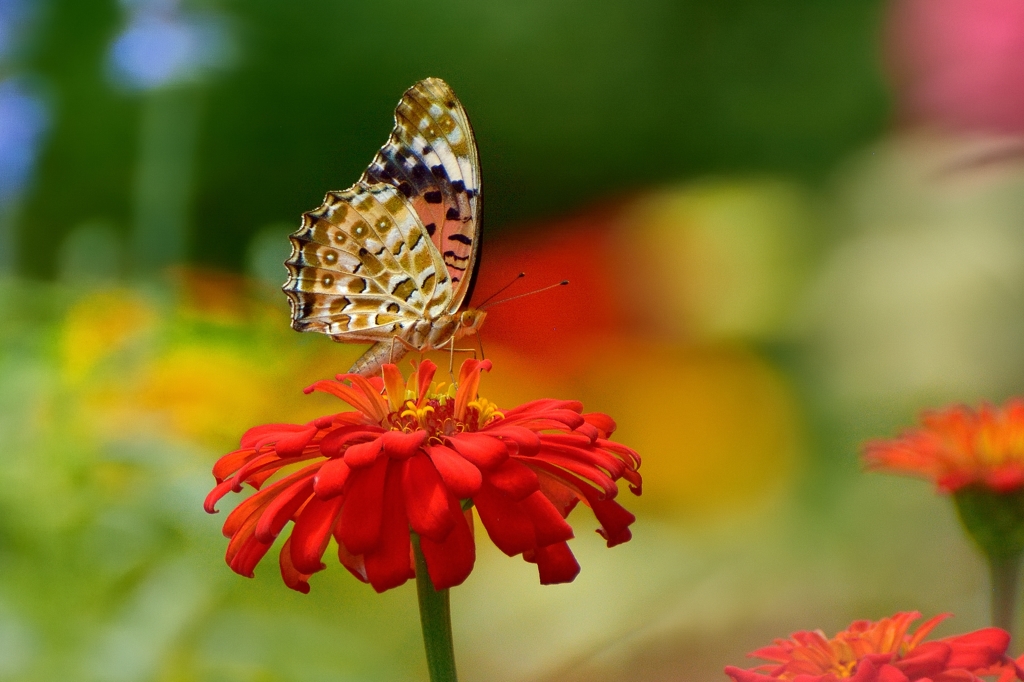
(450, 562)
(561, 496)
(548, 524)
(292, 444)
(615, 521)
(243, 558)
(281, 510)
(889, 673)
(977, 649)
(926, 660)
(312, 532)
(363, 454)
(425, 374)
(461, 478)
(373, 409)
(337, 440)
(259, 436)
(394, 384)
(353, 562)
(602, 422)
(741, 675)
(371, 389)
(360, 517)
(555, 564)
(469, 384)
(507, 523)
(486, 452)
(399, 445)
(388, 564)
(527, 440)
(292, 577)
(232, 462)
(331, 478)
(426, 499)
(515, 479)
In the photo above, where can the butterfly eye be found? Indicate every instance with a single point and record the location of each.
(328, 281)
(340, 237)
(383, 225)
(360, 231)
(331, 258)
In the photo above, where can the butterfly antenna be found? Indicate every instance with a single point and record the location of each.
(514, 280)
(528, 293)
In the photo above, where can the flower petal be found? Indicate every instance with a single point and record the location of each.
(361, 515)
(331, 478)
(281, 510)
(615, 521)
(527, 441)
(555, 563)
(515, 479)
(977, 649)
(469, 384)
(293, 578)
(603, 423)
(741, 675)
(243, 558)
(394, 385)
(336, 441)
(548, 525)
(450, 562)
(353, 562)
(389, 564)
(375, 410)
(486, 452)
(426, 499)
(460, 476)
(363, 454)
(424, 375)
(506, 522)
(399, 445)
(926, 660)
(312, 532)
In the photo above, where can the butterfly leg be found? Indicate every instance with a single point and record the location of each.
(452, 350)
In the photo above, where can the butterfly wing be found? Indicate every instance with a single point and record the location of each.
(431, 158)
(363, 267)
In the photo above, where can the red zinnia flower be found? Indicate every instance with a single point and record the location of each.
(410, 459)
(957, 447)
(884, 651)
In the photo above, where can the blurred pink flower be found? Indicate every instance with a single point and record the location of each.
(958, 63)
(957, 447)
(884, 651)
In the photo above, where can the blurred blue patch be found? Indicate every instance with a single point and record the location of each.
(23, 120)
(13, 16)
(162, 46)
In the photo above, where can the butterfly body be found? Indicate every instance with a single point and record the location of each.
(390, 260)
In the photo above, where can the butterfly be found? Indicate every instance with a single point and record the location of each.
(391, 259)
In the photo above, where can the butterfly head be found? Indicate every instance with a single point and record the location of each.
(470, 321)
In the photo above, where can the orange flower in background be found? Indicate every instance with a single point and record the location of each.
(407, 463)
(959, 446)
(884, 651)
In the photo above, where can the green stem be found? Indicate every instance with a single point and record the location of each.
(436, 621)
(1005, 573)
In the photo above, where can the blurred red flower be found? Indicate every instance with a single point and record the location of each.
(409, 460)
(959, 446)
(884, 651)
(959, 63)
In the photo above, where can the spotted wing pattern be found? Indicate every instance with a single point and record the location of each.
(363, 267)
(431, 158)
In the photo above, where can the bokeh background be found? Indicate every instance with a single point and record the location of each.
(789, 226)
